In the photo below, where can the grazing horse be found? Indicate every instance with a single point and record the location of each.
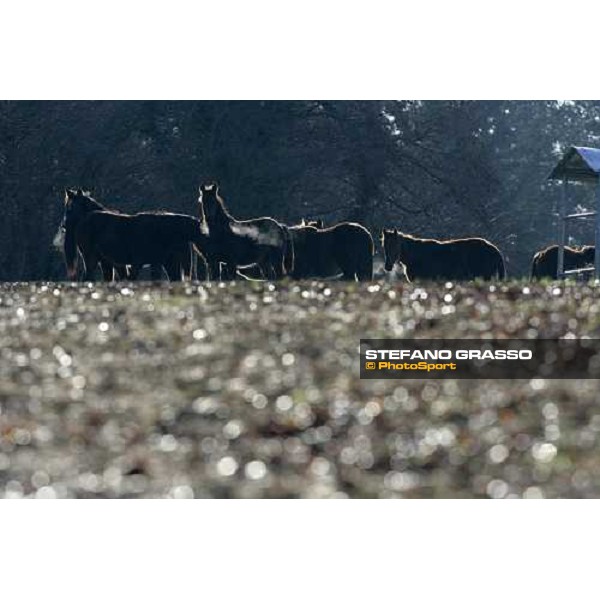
(262, 242)
(545, 262)
(345, 248)
(460, 259)
(116, 239)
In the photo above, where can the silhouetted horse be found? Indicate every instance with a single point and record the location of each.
(545, 262)
(108, 269)
(262, 242)
(345, 248)
(460, 259)
(107, 237)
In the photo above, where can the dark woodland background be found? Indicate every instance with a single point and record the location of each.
(433, 168)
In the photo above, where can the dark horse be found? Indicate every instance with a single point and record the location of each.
(545, 262)
(112, 239)
(262, 242)
(109, 271)
(345, 248)
(460, 259)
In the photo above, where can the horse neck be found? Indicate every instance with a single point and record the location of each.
(89, 204)
(406, 247)
(86, 205)
(222, 220)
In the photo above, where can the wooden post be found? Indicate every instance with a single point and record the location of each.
(597, 242)
(562, 230)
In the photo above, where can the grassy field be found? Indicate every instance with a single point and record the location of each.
(252, 390)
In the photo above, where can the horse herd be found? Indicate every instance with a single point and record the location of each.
(216, 246)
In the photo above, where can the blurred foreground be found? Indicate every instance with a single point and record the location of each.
(252, 390)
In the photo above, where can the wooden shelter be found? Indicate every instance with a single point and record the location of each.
(578, 165)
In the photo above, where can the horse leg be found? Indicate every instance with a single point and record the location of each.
(156, 272)
(364, 271)
(278, 263)
(122, 272)
(268, 270)
(188, 262)
(202, 269)
(107, 271)
(173, 268)
(134, 272)
(90, 262)
(227, 272)
(273, 263)
(213, 270)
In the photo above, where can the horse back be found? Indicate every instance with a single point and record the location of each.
(136, 239)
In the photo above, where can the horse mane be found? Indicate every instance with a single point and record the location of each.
(224, 209)
(580, 249)
(419, 240)
(91, 202)
(414, 238)
(223, 215)
(301, 227)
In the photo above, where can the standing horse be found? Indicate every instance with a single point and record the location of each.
(345, 248)
(111, 238)
(108, 269)
(545, 262)
(262, 241)
(460, 259)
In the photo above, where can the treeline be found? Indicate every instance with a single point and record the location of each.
(443, 168)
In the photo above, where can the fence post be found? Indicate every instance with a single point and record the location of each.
(562, 229)
(597, 236)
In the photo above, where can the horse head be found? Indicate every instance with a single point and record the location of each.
(209, 201)
(77, 204)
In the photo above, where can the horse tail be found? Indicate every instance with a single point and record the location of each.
(535, 265)
(371, 245)
(501, 267)
(494, 262)
(71, 252)
(288, 251)
(366, 271)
